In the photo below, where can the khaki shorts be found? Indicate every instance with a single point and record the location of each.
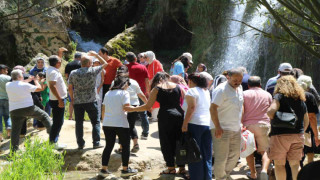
(261, 135)
(286, 147)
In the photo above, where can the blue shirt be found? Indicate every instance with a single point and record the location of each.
(178, 69)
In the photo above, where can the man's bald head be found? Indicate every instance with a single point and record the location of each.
(254, 81)
(86, 61)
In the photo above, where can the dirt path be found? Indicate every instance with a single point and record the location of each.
(148, 160)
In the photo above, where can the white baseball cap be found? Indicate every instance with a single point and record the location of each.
(284, 67)
(188, 56)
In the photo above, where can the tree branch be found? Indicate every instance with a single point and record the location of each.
(46, 10)
(299, 41)
(270, 35)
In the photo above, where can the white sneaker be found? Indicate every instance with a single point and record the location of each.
(58, 146)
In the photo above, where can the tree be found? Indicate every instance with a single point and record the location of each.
(298, 19)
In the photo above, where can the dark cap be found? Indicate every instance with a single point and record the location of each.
(77, 55)
(130, 56)
(2, 66)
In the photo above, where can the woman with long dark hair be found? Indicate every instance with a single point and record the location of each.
(170, 117)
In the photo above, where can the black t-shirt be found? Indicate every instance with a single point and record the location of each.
(299, 108)
(311, 103)
(76, 64)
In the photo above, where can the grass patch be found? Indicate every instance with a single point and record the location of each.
(38, 161)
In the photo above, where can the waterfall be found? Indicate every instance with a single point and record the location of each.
(242, 42)
(83, 45)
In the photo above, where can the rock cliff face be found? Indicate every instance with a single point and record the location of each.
(107, 17)
(22, 39)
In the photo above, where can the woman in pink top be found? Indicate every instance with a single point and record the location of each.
(181, 82)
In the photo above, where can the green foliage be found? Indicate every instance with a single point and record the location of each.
(39, 38)
(122, 46)
(49, 41)
(72, 50)
(39, 161)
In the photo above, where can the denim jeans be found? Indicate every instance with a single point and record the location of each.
(19, 116)
(92, 110)
(203, 169)
(57, 119)
(4, 112)
(226, 153)
(144, 121)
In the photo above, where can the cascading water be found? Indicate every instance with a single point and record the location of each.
(83, 45)
(243, 42)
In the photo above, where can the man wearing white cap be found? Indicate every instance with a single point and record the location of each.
(284, 69)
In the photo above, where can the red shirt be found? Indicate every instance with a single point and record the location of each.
(139, 73)
(111, 69)
(153, 68)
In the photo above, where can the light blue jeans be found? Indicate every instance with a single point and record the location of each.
(4, 112)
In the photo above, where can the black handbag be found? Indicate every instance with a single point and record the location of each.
(285, 119)
(187, 150)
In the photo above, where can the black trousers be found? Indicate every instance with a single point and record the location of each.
(169, 133)
(110, 136)
(132, 118)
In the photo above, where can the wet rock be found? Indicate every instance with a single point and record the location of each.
(27, 37)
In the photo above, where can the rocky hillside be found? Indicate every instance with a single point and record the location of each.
(32, 32)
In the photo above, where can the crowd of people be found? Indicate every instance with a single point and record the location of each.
(215, 111)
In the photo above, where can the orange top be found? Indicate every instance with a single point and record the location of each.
(153, 68)
(111, 69)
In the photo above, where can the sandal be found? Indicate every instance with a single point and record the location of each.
(249, 176)
(118, 151)
(169, 172)
(135, 148)
(182, 171)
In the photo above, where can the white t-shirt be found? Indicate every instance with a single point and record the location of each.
(114, 115)
(19, 94)
(134, 90)
(53, 74)
(230, 102)
(201, 115)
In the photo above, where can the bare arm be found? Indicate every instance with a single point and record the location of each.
(102, 111)
(148, 105)
(53, 88)
(143, 98)
(215, 120)
(305, 121)
(101, 60)
(60, 51)
(70, 88)
(191, 101)
(313, 125)
(147, 86)
(102, 80)
(36, 83)
(274, 107)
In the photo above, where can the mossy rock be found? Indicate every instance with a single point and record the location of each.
(134, 39)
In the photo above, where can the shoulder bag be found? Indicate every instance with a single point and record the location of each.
(187, 150)
(285, 119)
